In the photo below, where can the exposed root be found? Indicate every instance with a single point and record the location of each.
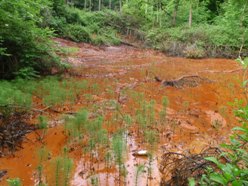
(12, 133)
(176, 168)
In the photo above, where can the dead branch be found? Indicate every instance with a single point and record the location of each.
(223, 71)
(184, 81)
(12, 133)
(176, 168)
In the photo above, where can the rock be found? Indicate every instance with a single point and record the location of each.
(140, 153)
(216, 119)
(187, 125)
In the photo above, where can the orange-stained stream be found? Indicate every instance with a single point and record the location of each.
(200, 116)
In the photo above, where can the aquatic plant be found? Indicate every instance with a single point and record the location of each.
(162, 114)
(43, 155)
(102, 137)
(68, 163)
(14, 182)
(139, 169)
(63, 168)
(185, 105)
(149, 168)
(95, 88)
(118, 148)
(88, 98)
(76, 126)
(110, 91)
(128, 120)
(12, 99)
(94, 180)
(57, 171)
(151, 138)
(43, 125)
(108, 159)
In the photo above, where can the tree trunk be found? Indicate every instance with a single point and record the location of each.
(157, 13)
(99, 5)
(85, 4)
(175, 12)
(146, 7)
(120, 5)
(190, 15)
(160, 19)
(110, 4)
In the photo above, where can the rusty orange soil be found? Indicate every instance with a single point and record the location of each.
(120, 71)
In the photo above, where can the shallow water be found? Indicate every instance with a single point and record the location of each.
(201, 115)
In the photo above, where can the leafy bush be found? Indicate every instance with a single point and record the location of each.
(232, 166)
(82, 26)
(235, 170)
(27, 73)
(76, 33)
(194, 52)
(25, 44)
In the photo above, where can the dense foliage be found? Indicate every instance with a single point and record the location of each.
(195, 28)
(23, 42)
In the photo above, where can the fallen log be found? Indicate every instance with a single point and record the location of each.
(184, 81)
(128, 44)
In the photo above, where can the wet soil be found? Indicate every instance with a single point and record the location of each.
(198, 114)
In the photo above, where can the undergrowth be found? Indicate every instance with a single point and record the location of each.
(17, 95)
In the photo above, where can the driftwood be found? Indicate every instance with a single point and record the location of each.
(184, 81)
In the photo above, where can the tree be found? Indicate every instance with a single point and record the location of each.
(176, 4)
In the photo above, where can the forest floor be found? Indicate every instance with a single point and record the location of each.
(198, 115)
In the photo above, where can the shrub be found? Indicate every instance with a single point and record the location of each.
(76, 33)
(234, 170)
(193, 51)
(23, 43)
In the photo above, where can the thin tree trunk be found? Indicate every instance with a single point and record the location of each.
(120, 5)
(160, 10)
(146, 7)
(175, 12)
(85, 4)
(110, 4)
(157, 13)
(190, 15)
(243, 30)
(99, 5)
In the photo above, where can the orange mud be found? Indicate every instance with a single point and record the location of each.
(197, 117)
